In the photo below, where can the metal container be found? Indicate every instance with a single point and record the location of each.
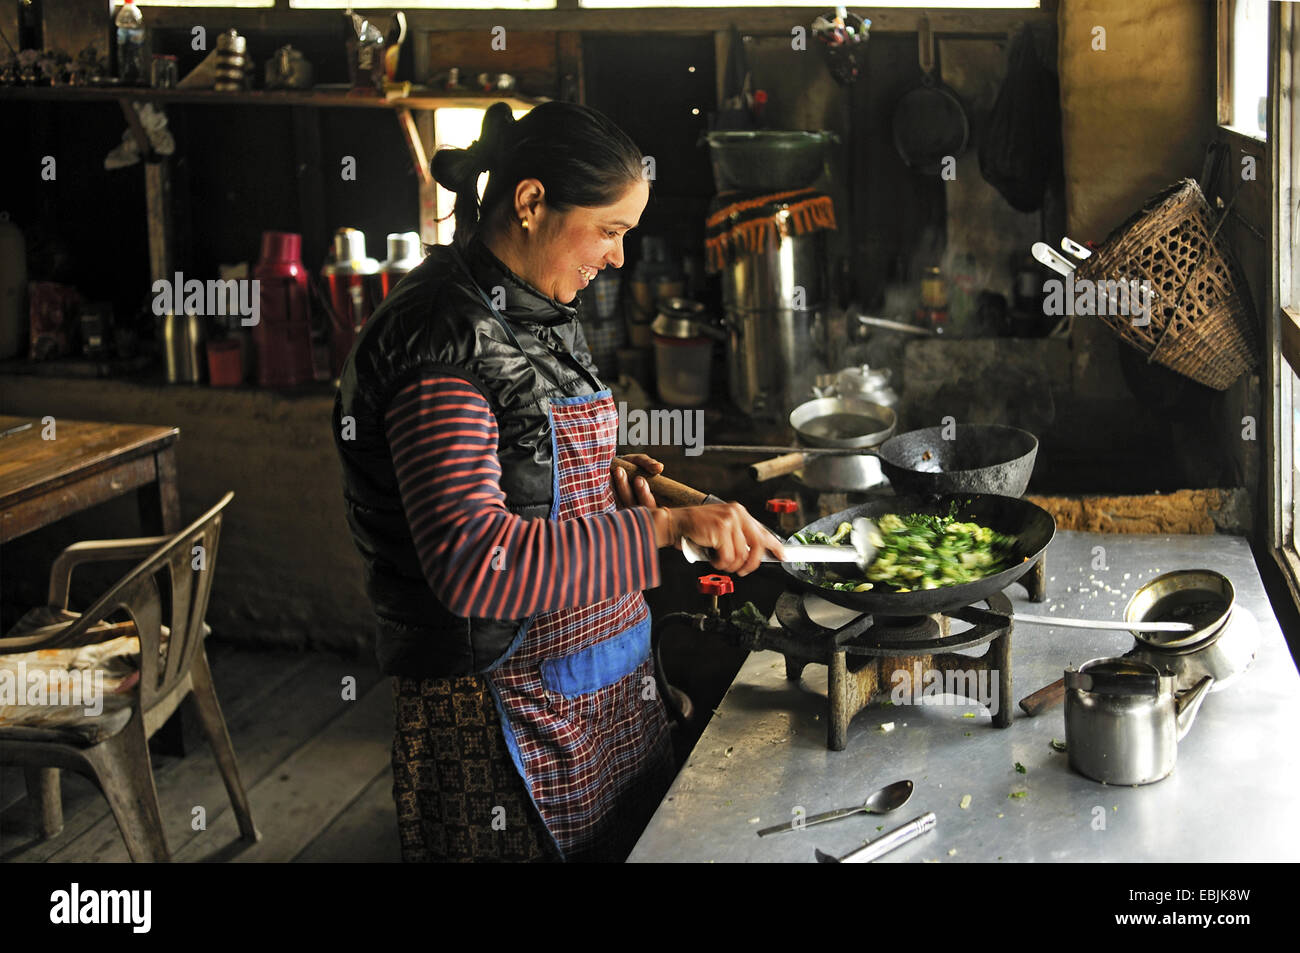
(1123, 720)
(1202, 597)
(405, 252)
(353, 285)
(778, 324)
(183, 348)
(854, 472)
(866, 383)
(767, 160)
(232, 62)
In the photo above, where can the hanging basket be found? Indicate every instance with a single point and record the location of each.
(1201, 323)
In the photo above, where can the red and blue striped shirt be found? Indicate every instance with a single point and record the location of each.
(480, 559)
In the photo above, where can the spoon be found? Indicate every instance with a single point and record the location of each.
(865, 538)
(887, 799)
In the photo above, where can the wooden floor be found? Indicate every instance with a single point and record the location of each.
(316, 767)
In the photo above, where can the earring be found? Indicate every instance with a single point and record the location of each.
(523, 222)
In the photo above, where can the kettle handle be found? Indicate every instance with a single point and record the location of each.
(1188, 703)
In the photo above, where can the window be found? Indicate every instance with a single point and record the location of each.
(357, 4)
(1283, 392)
(1243, 66)
(455, 127)
(426, 4)
(928, 4)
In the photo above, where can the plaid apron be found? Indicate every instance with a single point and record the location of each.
(582, 718)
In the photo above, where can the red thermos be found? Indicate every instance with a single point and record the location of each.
(351, 280)
(282, 336)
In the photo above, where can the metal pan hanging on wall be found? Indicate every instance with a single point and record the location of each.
(930, 121)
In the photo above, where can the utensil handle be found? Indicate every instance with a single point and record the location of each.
(1118, 625)
(894, 839)
(794, 553)
(669, 492)
(809, 821)
(1049, 696)
(777, 466)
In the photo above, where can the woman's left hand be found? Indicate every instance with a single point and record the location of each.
(635, 491)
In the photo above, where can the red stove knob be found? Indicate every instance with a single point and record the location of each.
(781, 506)
(715, 585)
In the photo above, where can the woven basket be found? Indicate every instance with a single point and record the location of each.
(1201, 321)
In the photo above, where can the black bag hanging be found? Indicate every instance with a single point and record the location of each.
(1020, 149)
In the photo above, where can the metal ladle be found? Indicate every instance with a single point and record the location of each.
(887, 799)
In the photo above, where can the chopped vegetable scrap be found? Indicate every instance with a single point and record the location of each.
(1020, 768)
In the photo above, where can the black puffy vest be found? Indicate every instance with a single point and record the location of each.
(435, 322)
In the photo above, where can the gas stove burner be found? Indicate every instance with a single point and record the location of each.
(862, 653)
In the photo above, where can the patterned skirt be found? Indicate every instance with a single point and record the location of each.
(461, 800)
(459, 797)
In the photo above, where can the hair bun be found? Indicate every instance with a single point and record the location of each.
(459, 169)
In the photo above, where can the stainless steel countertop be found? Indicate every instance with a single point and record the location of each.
(1234, 794)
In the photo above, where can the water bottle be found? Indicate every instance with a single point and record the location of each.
(130, 44)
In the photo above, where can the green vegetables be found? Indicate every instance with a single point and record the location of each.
(921, 551)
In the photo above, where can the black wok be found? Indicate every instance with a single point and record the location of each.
(979, 458)
(1032, 527)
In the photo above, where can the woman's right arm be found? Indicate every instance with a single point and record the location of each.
(478, 557)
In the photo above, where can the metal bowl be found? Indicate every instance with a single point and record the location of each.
(767, 160)
(1200, 596)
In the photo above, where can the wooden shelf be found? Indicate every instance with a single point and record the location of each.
(321, 98)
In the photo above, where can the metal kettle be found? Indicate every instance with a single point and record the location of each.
(1123, 720)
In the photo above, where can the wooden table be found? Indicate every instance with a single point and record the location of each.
(43, 480)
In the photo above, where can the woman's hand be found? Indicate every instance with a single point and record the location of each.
(738, 539)
(635, 491)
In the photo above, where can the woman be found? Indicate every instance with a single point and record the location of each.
(505, 557)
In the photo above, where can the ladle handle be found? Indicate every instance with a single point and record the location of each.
(777, 466)
(1047, 697)
(668, 492)
(1119, 624)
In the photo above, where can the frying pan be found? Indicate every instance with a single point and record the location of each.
(979, 458)
(1032, 527)
(930, 122)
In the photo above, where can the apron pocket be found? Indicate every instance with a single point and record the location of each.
(598, 665)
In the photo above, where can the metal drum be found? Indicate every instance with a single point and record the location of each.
(777, 319)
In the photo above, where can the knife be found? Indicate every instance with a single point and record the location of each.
(883, 844)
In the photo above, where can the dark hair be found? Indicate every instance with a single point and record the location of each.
(579, 155)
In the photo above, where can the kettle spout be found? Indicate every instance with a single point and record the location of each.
(1189, 703)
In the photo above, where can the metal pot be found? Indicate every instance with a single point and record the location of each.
(847, 423)
(779, 323)
(1123, 720)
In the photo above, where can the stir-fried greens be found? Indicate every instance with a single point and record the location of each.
(920, 551)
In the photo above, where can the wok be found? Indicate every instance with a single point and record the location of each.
(980, 458)
(973, 458)
(1032, 527)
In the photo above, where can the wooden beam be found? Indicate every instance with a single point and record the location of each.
(767, 20)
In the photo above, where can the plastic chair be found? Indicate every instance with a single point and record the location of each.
(112, 750)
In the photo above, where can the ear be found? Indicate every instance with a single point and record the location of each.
(529, 197)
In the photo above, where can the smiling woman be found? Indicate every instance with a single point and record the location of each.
(505, 558)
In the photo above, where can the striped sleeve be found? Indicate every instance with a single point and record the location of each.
(479, 558)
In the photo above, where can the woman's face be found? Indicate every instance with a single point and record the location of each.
(570, 247)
